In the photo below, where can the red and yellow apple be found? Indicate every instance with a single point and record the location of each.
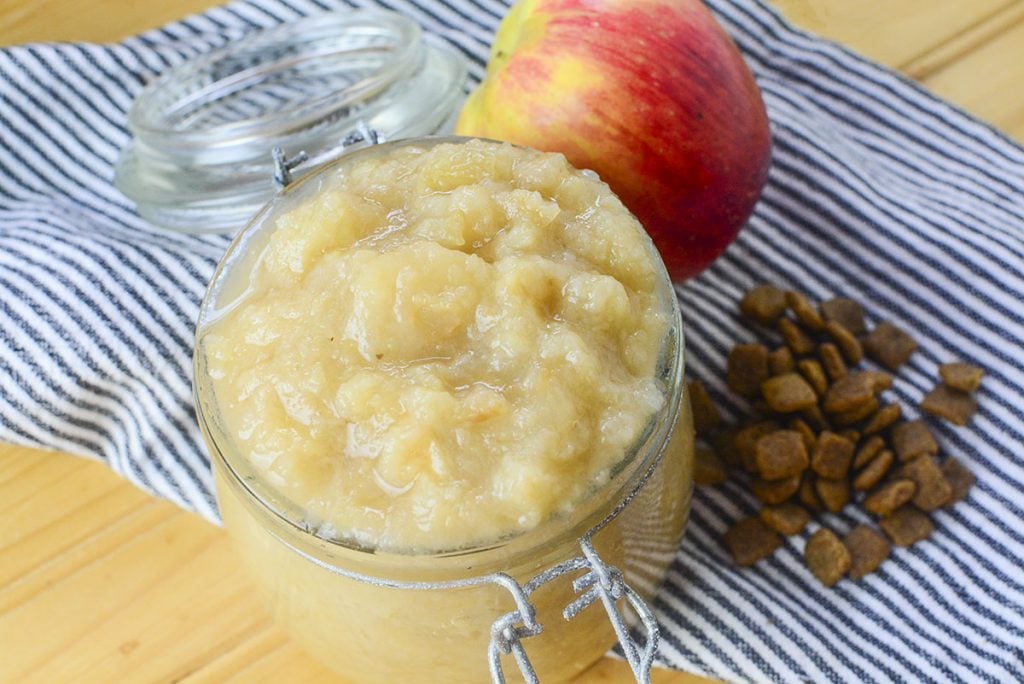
(650, 94)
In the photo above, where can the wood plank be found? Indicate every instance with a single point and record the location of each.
(263, 651)
(77, 609)
(72, 526)
(196, 606)
(14, 469)
(87, 552)
(894, 32)
(95, 21)
(77, 486)
(31, 481)
(970, 53)
(974, 37)
(989, 80)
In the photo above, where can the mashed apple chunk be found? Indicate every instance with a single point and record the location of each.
(443, 345)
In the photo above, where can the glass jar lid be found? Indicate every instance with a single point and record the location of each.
(200, 158)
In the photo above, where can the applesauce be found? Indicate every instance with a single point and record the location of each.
(438, 360)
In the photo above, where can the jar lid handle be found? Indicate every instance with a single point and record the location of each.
(602, 581)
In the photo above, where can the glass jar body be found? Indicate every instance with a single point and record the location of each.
(371, 633)
(353, 607)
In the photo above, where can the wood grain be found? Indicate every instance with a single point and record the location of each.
(894, 32)
(995, 29)
(970, 53)
(94, 21)
(988, 80)
(101, 583)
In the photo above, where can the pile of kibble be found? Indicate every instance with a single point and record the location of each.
(822, 435)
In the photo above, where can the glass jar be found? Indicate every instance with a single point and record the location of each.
(199, 160)
(380, 616)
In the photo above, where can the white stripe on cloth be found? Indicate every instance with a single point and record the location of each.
(877, 191)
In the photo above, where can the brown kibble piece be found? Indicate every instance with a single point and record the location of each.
(788, 393)
(850, 434)
(961, 376)
(804, 311)
(764, 303)
(750, 540)
(960, 479)
(868, 549)
(724, 442)
(780, 454)
(807, 494)
(746, 442)
(845, 340)
(746, 369)
(796, 339)
(827, 558)
(883, 418)
(950, 404)
(890, 496)
(832, 360)
(913, 439)
(889, 345)
(846, 312)
(879, 380)
(814, 374)
(832, 456)
(906, 526)
(806, 433)
(815, 418)
(849, 393)
(780, 361)
(834, 494)
(775, 491)
(788, 518)
(933, 492)
(867, 451)
(857, 414)
(875, 471)
(705, 414)
(708, 469)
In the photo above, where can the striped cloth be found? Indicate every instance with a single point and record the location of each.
(878, 191)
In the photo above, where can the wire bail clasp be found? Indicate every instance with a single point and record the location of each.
(283, 165)
(602, 581)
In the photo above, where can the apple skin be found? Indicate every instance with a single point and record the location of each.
(650, 94)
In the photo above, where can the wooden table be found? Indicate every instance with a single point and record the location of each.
(101, 583)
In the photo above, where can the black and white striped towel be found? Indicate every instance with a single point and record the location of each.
(878, 191)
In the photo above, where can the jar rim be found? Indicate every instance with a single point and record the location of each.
(163, 114)
(627, 476)
(199, 159)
